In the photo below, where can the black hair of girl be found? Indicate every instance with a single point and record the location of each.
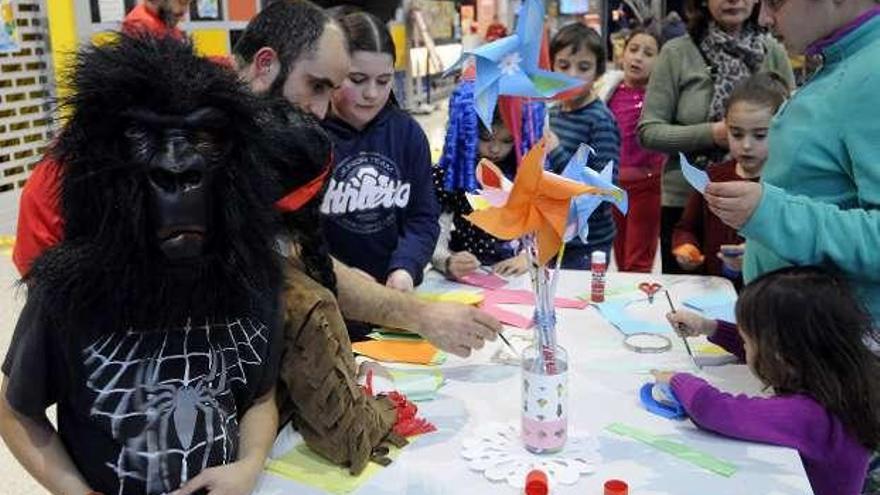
(698, 18)
(579, 36)
(767, 89)
(290, 27)
(366, 33)
(647, 31)
(811, 336)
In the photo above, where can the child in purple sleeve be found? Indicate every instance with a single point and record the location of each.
(806, 337)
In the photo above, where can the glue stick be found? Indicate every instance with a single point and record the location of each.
(598, 265)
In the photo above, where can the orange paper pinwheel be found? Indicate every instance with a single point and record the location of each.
(538, 202)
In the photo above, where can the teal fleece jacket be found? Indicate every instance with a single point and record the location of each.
(822, 178)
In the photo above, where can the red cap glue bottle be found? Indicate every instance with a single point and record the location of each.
(598, 265)
(536, 483)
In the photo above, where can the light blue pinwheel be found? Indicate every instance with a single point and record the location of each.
(509, 66)
(583, 206)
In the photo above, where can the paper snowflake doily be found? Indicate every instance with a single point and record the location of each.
(497, 451)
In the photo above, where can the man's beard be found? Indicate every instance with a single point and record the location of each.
(167, 15)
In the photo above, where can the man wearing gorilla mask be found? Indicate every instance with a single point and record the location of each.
(155, 324)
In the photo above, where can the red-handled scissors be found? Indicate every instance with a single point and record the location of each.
(650, 289)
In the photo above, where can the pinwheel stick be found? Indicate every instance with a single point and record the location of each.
(544, 312)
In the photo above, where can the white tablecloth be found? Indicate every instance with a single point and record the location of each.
(603, 388)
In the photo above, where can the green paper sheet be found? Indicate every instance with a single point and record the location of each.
(304, 466)
(383, 334)
(680, 450)
(417, 386)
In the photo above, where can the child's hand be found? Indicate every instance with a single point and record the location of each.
(238, 478)
(400, 280)
(688, 256)
(662, 376)
(512, 267)
(732, 256)
(461, 263)
(690, 324)
(551, 140)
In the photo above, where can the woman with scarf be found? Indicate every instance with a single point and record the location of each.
(693, 77)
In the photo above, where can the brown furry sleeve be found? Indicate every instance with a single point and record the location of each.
(319, 389)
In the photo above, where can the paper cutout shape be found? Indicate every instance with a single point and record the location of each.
(680, 450)
(538, 202)
(697, 178)
(714, 305)
(582, 207)
(509, 66)
(392, 351)
(496, 450)
(304, 466)
(615, 312)
(483, 280)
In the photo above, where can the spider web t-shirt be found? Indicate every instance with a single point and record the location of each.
(143, 412)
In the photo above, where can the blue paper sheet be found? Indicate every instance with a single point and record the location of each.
(616, 314)
(699, 179)
(715, 305)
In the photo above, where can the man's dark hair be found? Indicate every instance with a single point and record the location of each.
(290, 27)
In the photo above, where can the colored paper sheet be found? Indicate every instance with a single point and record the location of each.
(417, 386)
(714, 305)
(304, 466)
(519, 296)
(10, 36)
(242, 10)
(211, 42)
(385, 334)
(682, 451)
(697, 178)
(392, 351)
(483, 280)
(615, 313)
(507, 317)
(457, 296)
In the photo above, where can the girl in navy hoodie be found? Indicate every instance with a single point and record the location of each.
(380, 212)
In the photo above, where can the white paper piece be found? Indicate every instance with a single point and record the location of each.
(111, 10)
(497, 451)
(695, 177)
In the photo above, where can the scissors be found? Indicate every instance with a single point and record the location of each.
(650, 289)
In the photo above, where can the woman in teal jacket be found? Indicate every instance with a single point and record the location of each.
(818, 202)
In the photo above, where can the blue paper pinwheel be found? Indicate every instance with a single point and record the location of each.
(509, 66)
(584, 206)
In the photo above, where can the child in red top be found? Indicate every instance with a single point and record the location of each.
(640, 170)
(701, 241)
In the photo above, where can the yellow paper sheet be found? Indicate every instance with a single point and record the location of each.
(211, 42)
(304, 466)
(456, 296)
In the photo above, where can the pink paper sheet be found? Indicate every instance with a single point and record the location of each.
(507, 296)
(507, 317)
(483, 280)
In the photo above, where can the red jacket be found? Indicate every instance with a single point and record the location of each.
(142, 20)
(40, 225)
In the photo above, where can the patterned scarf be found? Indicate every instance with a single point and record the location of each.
(732, 58)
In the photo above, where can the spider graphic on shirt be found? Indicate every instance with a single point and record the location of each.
(167, 398)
